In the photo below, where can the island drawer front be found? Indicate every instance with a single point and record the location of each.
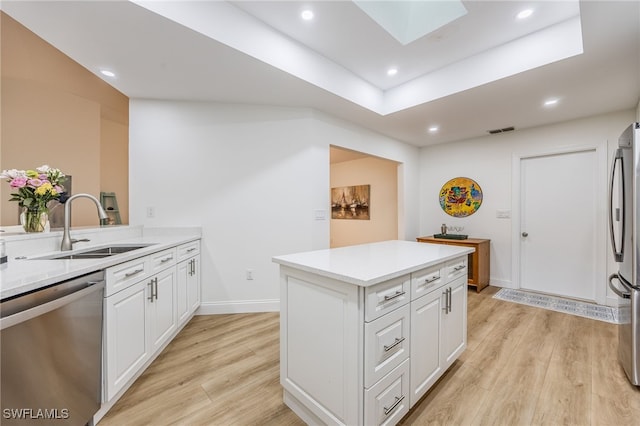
(161, 260)
(387, 296)
(425, 280)
(457, 268)
(188, 250)
(386, 344)
(388, 400)
(125, 274)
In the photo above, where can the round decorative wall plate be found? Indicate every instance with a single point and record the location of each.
(460, 197)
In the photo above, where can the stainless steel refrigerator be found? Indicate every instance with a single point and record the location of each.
(624, 222)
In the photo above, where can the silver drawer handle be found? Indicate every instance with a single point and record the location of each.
(130, 274)
(397, 294)
(457, 268)
(394, 344)
(398, 400)
(166, 259)
(191, 249)
(430, 280)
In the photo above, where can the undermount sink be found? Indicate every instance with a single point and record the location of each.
(97, 253)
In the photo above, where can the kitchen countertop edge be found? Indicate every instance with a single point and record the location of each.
(19, 276)
(331, 263)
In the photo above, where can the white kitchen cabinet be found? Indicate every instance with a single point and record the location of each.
(161, 308)
(454, 322)
(438, 331)
(193, 285)
(140, 317)
(359, 354)
(426, 319)
(188, 281)
(126, 330)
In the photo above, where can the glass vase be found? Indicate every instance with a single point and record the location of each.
(34, 220)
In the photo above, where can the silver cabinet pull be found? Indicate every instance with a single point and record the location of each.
(525, 234)
(432, 279)
(132, 273)
(457, 268)
(398, 400)
(394, 344)
(166, 259)
(190, 249)
(150, 284)
(447, 300)
(155, 287)
(397, 294)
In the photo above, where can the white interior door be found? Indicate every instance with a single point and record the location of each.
(558, 224)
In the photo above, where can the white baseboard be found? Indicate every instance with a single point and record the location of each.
(239, 307)
(501, 283)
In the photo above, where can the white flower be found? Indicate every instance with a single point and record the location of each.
(43, 169)
(12, 174)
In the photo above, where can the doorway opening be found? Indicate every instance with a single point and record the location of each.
(350, 168)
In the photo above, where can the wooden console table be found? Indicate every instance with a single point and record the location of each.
(478, 260)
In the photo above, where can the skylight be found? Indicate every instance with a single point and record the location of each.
(408, 21)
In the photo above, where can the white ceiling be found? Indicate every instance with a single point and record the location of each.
(484, 70)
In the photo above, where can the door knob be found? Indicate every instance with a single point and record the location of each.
(525, 234)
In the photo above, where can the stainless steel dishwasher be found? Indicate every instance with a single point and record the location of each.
(51, 351)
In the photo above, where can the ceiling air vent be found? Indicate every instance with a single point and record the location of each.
(505, 129)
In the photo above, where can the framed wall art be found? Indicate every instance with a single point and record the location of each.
(350, 202)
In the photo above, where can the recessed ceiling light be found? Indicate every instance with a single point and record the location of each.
(307, 15)
(551, 102)
(108, 73)
(433, 129)
(524, 14)
(392, 71)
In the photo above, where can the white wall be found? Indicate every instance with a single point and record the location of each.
(488, 160)
(253, 178)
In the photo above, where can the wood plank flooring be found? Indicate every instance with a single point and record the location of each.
(522, 366)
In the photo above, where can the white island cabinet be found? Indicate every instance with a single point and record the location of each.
(365, 330)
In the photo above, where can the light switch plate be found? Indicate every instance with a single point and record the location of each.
(503, 214)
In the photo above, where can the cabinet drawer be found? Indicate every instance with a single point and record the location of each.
(425, 280)
(386, 344)
(388, 400)
(187, 250)
(125, 274)
(457, 268)
(386, 296)
(161, 260)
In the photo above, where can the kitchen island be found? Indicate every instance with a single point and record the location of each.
(366, 330)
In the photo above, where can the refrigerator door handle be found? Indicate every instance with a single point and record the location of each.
(618, 254)
(615, 289)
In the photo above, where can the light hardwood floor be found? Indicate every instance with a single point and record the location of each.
(522, 366)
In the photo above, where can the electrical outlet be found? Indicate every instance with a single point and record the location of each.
(249, 274)
(151, 212)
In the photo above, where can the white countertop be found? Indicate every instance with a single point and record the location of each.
(18, 276)
(368, 264)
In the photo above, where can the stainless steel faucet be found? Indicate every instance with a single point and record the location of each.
(67, 242)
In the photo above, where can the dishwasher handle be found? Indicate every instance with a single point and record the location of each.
(22, 316)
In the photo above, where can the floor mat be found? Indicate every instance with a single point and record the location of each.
(559, 304)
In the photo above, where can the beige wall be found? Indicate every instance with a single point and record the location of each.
(382, 175)
(55, 112)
